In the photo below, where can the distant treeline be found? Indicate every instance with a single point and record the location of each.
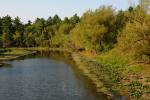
(96, 31)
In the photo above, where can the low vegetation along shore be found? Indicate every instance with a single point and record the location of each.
(12, 54)
(78, 58)
(108, 78)
(111, 47)
(111, 78)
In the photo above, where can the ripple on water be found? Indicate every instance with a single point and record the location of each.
(42, 78)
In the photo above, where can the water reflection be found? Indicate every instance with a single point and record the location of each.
(46, 76)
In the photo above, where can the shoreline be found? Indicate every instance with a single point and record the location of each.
(100, 88)
(18, 56)
(76, 57)
(14, 57)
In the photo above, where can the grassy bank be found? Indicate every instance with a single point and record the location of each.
(113, 73)
(83, 65)
(110, 73)
(14, 53)
(125, 77)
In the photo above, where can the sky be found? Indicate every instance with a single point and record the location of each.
(31, 9)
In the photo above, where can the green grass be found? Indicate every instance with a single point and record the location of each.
(136, 68)
(111, 67)
(112, 58)
(2, 50)
(12, 53)
(119, 72)
(137, 89)
(15, 52)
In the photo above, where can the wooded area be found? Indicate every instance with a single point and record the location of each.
(96, 31)
(118, 42)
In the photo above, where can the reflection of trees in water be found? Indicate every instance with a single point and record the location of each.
(57, 55)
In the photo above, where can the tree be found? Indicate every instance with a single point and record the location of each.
(7, 24)
(39, 25)
(74, 19)
(7, 31)
(66, 20)
(6, 39)
(65, 28)
(134, 39)
(93, 29)
(1, 27)
(17, 24)
(49, 21)
(29, 23)
(56, 19)
(30, 39)
(18, 38)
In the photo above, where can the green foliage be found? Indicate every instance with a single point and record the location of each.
(6, 39)
(135, 37)
(59, 42)
(96, 31)
(2, 51)
(74, 19)
(30, 40)
(93, 29)
(65, 28)
(56, 20)
(121, 38)
(18, 37)
(137, 89)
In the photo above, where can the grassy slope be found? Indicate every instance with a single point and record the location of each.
(110, 68)
(13, 53)
(132, 79)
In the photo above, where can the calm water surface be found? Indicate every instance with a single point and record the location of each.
(44, 78)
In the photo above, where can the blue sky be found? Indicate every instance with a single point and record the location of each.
(30, 9)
